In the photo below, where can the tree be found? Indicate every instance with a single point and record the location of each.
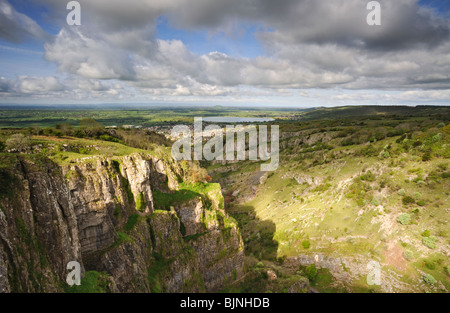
(91, 127)
(66, 129)
(17, 142)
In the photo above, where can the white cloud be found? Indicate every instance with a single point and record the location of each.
(90, 57)
(33, 85)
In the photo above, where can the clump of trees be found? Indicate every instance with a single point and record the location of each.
(91, 128)
(141, 139)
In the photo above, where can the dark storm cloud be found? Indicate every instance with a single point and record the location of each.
(404, 23)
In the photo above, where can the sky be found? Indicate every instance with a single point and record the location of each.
(287, 53)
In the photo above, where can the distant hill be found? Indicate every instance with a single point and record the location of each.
(374, 110)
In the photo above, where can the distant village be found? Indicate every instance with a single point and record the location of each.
(166, 130)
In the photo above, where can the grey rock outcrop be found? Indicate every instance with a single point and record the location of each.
(101, 213)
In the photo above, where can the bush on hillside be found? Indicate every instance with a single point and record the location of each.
(408, 200)
(311, 272)
(408, 255)
(429, 279)
(306, 244)
(404, 219)
(429, 242)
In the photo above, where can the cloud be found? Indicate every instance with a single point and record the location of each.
(309, 44)
(5, 85)
(90, 57)
(34, 85)
(16, 27)
(404, 24)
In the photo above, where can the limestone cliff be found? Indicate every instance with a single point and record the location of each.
(107, 214)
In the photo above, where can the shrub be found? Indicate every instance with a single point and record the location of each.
(369, 176)
(374, 201)
(408, 255)
(322, 188)
(421, 202)
(426, 233)
(83, 151)
(408, 200)
(417, 195)
(108, 138)
(18, 142)
(401, 192)
(427, 156)
(404, 219)
(79, 133)
(436, 138)
(430, 264)
(429, 242)
(430, 280)
(92, 282)
(2, 146)
(306, 244)
(311, 272)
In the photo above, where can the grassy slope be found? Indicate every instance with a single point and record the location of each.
(337, 222)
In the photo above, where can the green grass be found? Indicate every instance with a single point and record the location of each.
(186, 192)
(122, 238)
(435, 264)
(159, 267)
(93, 282)
(81, 149)
(140, 202)
(350, 194)
(131, 222)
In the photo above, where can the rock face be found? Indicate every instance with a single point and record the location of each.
(101, 213)
(38, 228)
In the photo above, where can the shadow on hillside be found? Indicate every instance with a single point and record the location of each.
(257, 234)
